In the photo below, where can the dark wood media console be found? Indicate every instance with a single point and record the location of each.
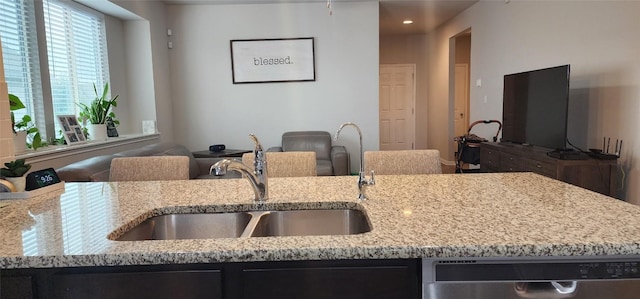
(593, 174)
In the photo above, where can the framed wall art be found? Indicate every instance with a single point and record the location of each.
(71, 129)
(273, 60)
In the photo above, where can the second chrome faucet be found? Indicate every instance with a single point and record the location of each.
(363, 182)
(256, 176)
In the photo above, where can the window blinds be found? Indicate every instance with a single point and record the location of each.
(76, 48)
(20, 55)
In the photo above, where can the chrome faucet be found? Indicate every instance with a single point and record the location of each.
(256, 176)
(363, 182)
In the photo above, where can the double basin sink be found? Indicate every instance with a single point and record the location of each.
(250, 224)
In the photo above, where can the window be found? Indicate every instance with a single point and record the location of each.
(76, 49)
(76, 56)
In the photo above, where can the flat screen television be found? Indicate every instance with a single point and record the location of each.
(535, 107)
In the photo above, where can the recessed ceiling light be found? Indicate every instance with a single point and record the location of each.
(407, 22)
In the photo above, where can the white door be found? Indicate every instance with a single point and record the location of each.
(397, 104)
(461, 108)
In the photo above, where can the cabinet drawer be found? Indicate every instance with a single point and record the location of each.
(489, 159)
(509, 162)
(539, 167)
(153, 284)
(382, 282)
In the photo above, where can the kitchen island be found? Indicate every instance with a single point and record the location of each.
(412, 217)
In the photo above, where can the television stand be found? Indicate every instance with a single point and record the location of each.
(567, 154)
(593, 174)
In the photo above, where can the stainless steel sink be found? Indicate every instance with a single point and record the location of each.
(189, 226)
(311, 223)
(250, 224)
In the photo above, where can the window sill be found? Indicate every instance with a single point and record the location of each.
(59, 155)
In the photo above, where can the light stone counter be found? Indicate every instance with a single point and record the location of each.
(449, 215)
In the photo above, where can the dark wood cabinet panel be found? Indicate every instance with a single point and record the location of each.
(548, 169)
(489, 159)
(17, 287)
(342, 281)
(153, 284)
(593, 174)
(510, 162)
(355, 279)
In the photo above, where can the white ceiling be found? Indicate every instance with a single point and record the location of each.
(426, 14)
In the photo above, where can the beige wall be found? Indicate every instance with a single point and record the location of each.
(146, 66)
(209, 109)
(411, 49)
(6, 134)
(598, 38)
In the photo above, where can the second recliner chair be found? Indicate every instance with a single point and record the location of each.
(331, 159)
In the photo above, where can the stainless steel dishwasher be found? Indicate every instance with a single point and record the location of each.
(580, 278)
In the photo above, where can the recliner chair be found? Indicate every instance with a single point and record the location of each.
(331, 159)
(287, 164)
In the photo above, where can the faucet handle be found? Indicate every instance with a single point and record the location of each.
(219, 168)
(372, 181)
(258, 145)
(259, 157)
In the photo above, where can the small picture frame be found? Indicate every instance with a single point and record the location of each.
(72, 130)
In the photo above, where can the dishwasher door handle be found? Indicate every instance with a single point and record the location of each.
(553, 289)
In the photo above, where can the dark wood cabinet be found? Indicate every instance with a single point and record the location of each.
(171, 281)
(593, 174)
(139, 284)
(342, 279)
(355, 279)
(18, 286)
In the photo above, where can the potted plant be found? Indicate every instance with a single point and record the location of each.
(97, 113)
(23, 128)
(14, 172)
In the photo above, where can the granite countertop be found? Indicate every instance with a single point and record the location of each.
(448, 215)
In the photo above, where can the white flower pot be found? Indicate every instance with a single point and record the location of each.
(97, 132)
(18, 182)
(20, 142)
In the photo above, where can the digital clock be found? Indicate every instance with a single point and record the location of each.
(41, 178)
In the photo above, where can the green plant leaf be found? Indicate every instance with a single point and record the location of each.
(37, 141)
(105, 91)
(16, 168)
(15, 103)
(25, 124)
(98, 110)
